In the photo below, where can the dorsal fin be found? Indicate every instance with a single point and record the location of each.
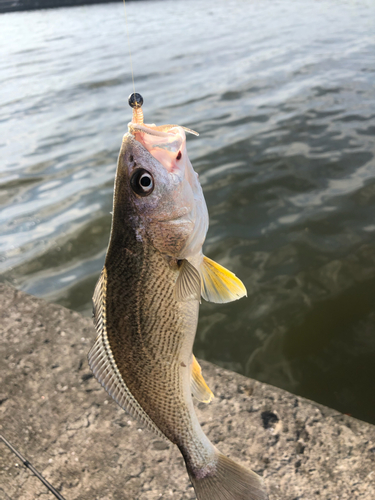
(199, 388)
(103, 364)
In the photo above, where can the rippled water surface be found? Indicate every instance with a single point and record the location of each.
(282, 93)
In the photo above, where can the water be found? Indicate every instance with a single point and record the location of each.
(283, 96)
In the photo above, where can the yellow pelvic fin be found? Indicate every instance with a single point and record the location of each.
(218, 284)
(199, 388)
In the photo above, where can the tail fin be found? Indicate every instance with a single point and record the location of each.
(230, 481)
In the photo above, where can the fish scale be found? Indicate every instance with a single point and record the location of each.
(155, 339)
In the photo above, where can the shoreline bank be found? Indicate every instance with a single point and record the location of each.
(56, 414)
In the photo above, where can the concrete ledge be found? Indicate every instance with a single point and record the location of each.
(64, 423)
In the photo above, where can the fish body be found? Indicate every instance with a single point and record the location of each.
(146, 305)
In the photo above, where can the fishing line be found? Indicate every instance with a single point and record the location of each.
(27, 464)
(130, 53)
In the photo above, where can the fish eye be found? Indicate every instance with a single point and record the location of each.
(142, 182)
(179, 155)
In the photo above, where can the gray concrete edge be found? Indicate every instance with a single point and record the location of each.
(56, 414)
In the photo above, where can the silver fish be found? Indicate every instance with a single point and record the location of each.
(147, 299)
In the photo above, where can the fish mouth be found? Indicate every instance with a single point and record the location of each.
(161, 131)
(166, 143)
(163, 148)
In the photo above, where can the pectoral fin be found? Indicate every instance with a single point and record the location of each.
(218, 284)
(188, 284)
(199, 388)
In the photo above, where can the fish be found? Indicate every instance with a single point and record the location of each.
(146, 303)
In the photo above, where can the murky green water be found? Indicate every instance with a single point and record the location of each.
(283, 96)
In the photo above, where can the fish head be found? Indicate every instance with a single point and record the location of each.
(156, 180)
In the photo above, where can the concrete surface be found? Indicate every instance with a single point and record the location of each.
(56, 414)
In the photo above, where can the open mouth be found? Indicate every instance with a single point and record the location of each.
(165, 147)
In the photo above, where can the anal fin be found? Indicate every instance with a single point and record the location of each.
(199, 388)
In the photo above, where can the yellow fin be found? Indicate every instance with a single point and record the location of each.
(199, 388)
(218, 284)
